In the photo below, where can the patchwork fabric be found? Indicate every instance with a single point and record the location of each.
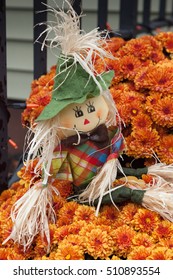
(79, 164)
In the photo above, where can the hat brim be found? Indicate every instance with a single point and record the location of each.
(55, 106)
(58, 103)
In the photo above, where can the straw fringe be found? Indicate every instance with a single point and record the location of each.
(160, 199)
(162, 170)
(31, 215)
(101, 184)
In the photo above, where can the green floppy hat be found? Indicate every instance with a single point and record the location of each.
(72, 84)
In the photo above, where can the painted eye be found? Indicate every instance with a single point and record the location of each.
(90, 108)
(78, 112)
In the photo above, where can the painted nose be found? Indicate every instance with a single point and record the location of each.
(86, 121)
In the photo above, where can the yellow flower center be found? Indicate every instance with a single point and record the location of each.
(148, 220)
(134, 111)
(68, 257)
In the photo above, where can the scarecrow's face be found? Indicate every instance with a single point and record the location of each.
(84, 117)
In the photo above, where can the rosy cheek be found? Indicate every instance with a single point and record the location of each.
(67, 123)
(99, 113)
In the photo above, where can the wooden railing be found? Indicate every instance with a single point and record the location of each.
(128, 28)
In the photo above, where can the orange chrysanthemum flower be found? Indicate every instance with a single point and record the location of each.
(6, 194)
(129, 110)
(143, 239)
(60, 233)
(76, 227)
(166, 242)
(85, 213)
(10, 254)
(68, 252)
(113, 44)
(130, 66)
(64, 187)
(98, 243)
(163, 230)
(145, 220)
(141, 121)
(139, 253)
(74, 239)
(156, 78)
(142, 143)
(109, 216)
(166, 39)
(162, 113)
(161, 253)
(66, 213)
(128, 211)
(123, 237)
(109, 64)
(138, 47)
(165, 149)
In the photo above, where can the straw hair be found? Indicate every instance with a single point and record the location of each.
(72, 42)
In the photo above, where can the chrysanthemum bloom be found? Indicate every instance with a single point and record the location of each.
(128, 211)
(60, 233)
(130, 109)
(85, 213)
(142, 143)
(66, 213)
(138, 47)
(141, 121)
(156, 78)
(113, 44)
(6, 194)
(166, 39)
(161, 253)
(108, 216)
(164, 229)
(151, 100)
(5, 229)
(139, 253)
(143, 239)
(76, 227)
(156, 56)
(166, 242)
(40, 95)
(109, 64)
(66, 251)
(165, 149)
(129, 66)
(145, 220)
(64, 187)
(99, 243)
(122, 238)
(162, 113)
(10, 254)
(74, 239)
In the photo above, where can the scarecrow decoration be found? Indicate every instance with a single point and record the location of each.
(77, 137)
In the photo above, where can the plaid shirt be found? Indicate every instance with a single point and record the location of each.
(79, 164)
